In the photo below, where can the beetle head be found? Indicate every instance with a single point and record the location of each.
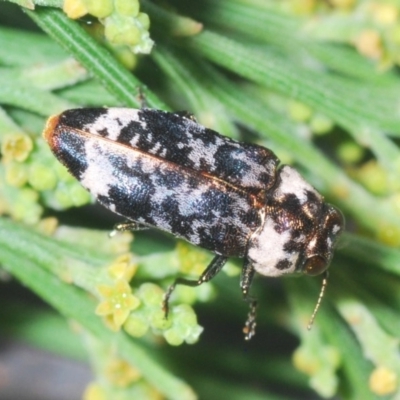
(299, 229)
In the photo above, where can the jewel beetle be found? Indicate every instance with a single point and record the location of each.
(164, 170)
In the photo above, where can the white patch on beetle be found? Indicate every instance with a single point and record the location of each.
(312, 242)
(293, 183)
(155, 148)
(134, 141)
(195, 236)
(266, 250)
(251, 177)
(95, 169)
(163, 152)
(101, 173)
(113, 120)
(187, 206)
(147, 166)
(161, 193)
(162, 223)
(336, 229)
(197, 152)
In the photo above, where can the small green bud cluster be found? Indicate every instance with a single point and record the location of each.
(30, 175)
(124, 25)
(180, 326)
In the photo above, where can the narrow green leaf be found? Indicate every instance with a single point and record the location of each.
(24, 48)
(94, 57)
(19, 94)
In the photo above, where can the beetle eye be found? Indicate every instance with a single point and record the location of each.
(315, 265)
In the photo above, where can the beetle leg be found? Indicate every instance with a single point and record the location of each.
(127, 226)
(213, 268)
(246, 279)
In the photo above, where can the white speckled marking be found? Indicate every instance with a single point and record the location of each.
(113, 120)
(267, 249)
(252, 176)
(162, 223)
(293, 183)
(104, 169)
(197, 152)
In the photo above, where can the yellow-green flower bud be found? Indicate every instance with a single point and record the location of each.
(41, 177)
(74, 8)
(16, 147)
(158, 321)
(144, 20)
(151, 294)
(127, 7)
(299, 112)
(62, 197)
(389, 234)
(350, 152)
(125, 56)
(194, 334)
(25, 208)
(383, 381)
(121, 374)
(16, 174)
(121, 30)
(117, 302)
(136, 325)
(173, 337)
(320, 124)
(79, 196)
(99, 8)
(374, 177)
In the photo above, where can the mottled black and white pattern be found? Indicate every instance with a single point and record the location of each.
(294, 229)
(181, 140)
(165, 170)
(143, 188)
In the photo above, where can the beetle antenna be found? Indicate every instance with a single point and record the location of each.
(319, 301)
